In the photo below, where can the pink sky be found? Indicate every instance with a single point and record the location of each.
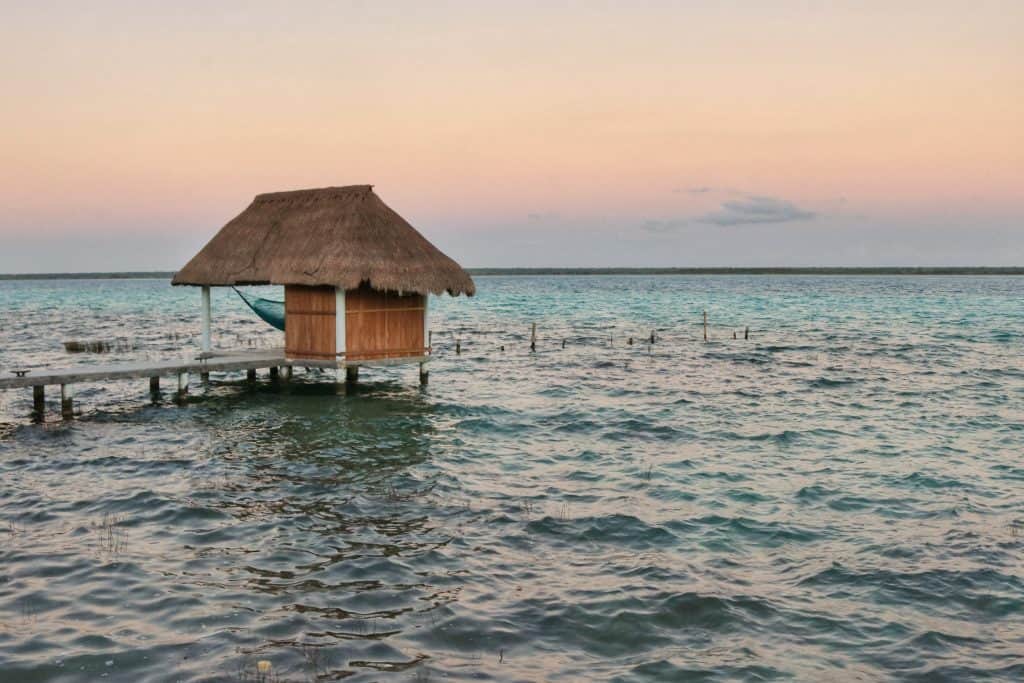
(718, 133)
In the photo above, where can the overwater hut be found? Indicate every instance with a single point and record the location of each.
(356, 275)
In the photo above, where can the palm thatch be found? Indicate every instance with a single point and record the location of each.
(338, 236)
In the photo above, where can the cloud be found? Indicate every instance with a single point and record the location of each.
(693, 190)
(749, 210)
(665, 226)
(754, 210)
(541, 216)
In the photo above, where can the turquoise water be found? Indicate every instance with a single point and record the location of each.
(841, 497)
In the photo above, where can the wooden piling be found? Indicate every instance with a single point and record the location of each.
(563, 343)
(458, 347)
(705, 326)
(39, 399)
(182, 384)
(652, 336)
(424, 374)
(286, 373)
(274, 372)
(430, 340)
(250, 374)
(67, 394)
(351, 374)
(154, 386)
(533, 337)
(630, 342)
(746, 333)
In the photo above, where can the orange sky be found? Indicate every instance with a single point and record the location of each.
(653, 128)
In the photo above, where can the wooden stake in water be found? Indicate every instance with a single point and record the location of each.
(533, 337)
(746, 333)
(39, 399)
(705, 326)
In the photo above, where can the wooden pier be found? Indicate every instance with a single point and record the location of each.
(181, 370)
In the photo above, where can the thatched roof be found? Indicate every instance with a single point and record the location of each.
(338, 236)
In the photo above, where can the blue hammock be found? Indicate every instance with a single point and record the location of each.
(271, 311)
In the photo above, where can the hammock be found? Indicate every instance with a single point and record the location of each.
(271, 311)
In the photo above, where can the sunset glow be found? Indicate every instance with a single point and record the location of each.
(130, 135)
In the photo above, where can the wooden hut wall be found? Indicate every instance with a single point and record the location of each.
(310, 324)
(383, 324)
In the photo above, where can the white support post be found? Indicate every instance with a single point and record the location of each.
(426, 323)
(205, 329)
(339, 322)
(182, 383)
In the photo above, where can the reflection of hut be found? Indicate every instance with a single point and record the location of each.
(356, 274)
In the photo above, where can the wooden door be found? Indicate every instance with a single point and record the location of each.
(309, 330)
(383, 324)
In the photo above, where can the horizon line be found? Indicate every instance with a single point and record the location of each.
(587, 270)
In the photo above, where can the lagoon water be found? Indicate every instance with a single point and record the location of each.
(840, 497)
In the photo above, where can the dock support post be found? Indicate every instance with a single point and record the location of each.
(351, 374)
(424, 374)
(250, 374)
(705, 325)
(204, 377)
(205, 326)
(182, 384)
(67, 395)
(274, 372)
(39, 399)
(533, 337)
(746, 333)
(286, 372)
(154, 387)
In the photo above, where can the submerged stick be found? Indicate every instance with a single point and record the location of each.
(705, 326)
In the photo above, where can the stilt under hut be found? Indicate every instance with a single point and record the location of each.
(357, 277)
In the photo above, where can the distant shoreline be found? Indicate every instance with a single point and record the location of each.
(894, 270)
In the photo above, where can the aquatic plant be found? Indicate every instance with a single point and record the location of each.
(111, 537)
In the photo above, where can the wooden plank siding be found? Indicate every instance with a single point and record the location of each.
(383, 324)
(310, 329)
